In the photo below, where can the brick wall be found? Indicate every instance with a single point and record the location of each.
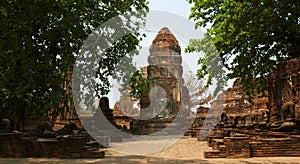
(17, 145)
(283, 86)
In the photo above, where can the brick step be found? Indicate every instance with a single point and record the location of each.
(86, 147)
(215, 154)
(275, 147)
(283, 151)
(92, 149)
(268, 154)
(159, 125)
(150, 131)
(288, 144)
(222, 148)
(216, 143)
(162, 128)
(271, 148)
(93, 144)
(210, 140)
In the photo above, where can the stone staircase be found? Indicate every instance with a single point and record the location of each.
(229, 147)
(218, 149)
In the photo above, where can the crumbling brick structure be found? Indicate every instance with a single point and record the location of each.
(284, 86)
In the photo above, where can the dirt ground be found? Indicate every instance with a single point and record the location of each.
(186, 150)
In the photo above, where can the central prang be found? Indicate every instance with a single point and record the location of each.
(164, 72)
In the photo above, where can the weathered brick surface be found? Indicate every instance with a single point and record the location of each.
(219, 149)
(164, 70)
(215, 134)
(146, 127)
(266, 144)
(11, 145)
(236, 102)
(215, 154)
(207, 118)
(16, 145)
(283, 86)
(237, 147)
(275, 147)
(197, 125)
(216, 143)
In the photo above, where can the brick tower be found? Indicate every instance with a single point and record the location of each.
(165, 71)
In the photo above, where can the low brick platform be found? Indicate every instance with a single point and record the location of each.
(147, 127)
(276, 147)
(244, 147)
(16, 145)
(237, 147)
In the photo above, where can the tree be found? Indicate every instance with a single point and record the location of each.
(197, 93)
(138, 85)
(250, 38)
(39, 42)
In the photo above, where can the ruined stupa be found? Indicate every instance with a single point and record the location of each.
(165, 73)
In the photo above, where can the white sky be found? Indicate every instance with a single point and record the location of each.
(180, 7)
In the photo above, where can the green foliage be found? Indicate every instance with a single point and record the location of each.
(252, 37)
(40, 40)
(139, 85)
(211, 65)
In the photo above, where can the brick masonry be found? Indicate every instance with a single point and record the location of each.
(18, 145)
(246, 147)
(283, 86)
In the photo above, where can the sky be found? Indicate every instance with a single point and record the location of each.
(180, 7)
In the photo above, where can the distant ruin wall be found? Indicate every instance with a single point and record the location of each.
(284, 86)
(236, 101)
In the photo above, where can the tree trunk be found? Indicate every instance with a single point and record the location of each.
(19, 117)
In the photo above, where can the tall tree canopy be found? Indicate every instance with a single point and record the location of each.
(249, 37)
(39, 42)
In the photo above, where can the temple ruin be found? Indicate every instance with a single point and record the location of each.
(232, 126)
(164, 71)
(268, 127)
